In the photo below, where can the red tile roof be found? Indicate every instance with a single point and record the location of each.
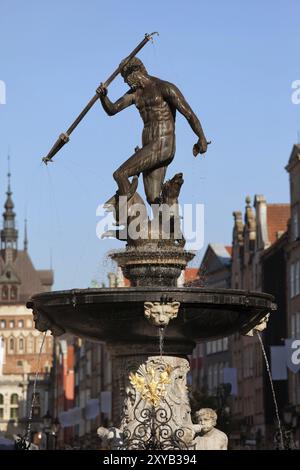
(277, 219)
(229, 249)
(190, 274)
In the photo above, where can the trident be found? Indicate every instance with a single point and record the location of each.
(65, 136)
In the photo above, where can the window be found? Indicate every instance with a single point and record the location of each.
(14, 406)
(4, 293)
(98, 352)
(297, 325)
(88, 366)
(21, 344)
(39, 343)
(13, 293)
(251, 361)
(225, 344)
(236, 281)
(297, 278)
(221, 373)
(292, 279)
(11, 324)
(248, 361)
(49, 343)
(258, 360)
(30, 344)
(216, 376)
(14, 413)
(210, 378)
(219, 345)
(295, 227)
(1, 406)
(245, 362)
(208, 347)
(293, 326)
(36, 409)
(9, 223)
(11, 344)
(29, 323)
(21, 323)
(3, 323)
(14, 399)
(81, 372)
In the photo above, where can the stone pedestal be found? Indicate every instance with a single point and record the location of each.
(153, 265)
(128, 357)
(155, 406)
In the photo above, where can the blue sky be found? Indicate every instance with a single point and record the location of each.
(234, 62)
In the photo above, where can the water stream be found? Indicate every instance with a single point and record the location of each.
(26, 440)
(161, 333)
(272, 388)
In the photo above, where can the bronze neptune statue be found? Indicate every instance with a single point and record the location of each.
(157, 101)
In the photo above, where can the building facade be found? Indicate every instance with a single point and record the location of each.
(21, 343)
(293, 268)
(93, 391)
(263, 225)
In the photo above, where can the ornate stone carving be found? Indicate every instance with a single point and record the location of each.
(261, 325)
(159, 313)
(151, 383)
(43, 323)
(207, 437)
(156, 410)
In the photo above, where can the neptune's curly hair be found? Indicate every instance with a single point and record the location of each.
(133, 65)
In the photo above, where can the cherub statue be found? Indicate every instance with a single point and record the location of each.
(207, 437)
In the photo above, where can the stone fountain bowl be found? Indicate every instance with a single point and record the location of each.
(116, 315)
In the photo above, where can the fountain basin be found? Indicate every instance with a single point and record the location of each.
(116, 315)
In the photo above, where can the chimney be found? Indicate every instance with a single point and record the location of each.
(260, 205)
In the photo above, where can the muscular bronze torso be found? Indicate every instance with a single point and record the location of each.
(155, 111)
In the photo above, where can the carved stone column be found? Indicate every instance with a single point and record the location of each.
(156, 411)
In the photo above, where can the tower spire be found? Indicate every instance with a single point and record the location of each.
(25, 236)
(9, 234)
(8, 176)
